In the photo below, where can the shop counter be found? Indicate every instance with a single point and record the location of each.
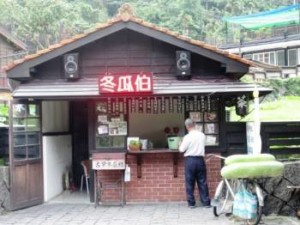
(139, 155)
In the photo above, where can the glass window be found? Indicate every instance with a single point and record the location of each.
(261, 57)
(255, 57)
(20, 152)
(33, 124)
(33, 138)
(33, 151)
(19, 139)
(33, 110)
(292, 57)
(26, 128)
(280, 58)
(248, 56)
(267, 57)
(272, 58)
(19, 110)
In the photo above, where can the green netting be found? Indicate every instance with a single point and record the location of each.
(274, 18)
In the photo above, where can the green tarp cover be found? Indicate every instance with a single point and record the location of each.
(273, 18)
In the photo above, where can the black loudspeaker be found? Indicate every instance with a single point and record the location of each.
(183, 64)
(71, 67)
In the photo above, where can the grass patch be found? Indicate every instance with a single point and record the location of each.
(284, 109)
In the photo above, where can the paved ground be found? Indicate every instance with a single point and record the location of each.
(131, 214)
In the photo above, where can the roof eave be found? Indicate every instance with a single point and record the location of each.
(232, 65)
(60, 49)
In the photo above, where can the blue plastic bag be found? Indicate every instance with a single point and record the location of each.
(245, 204)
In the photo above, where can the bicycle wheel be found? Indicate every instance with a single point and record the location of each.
(223, 200)
(256, 220)
(250, 187)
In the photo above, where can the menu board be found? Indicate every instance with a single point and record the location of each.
(111, 126)
(208, 123)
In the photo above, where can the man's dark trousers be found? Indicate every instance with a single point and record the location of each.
(195, 171)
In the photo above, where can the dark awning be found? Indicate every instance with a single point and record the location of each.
(162, 85)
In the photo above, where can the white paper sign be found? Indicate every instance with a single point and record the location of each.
(108, 164)
(127, 176)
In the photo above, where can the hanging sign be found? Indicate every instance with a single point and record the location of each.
(133, 105)
(163, 105)
(208, 104)
(109, 107)
(195, 103)
(171, 107)
(187, 104)
(125, 106)
(113, 107)
(129, 83)
(155, 106)
(241, 107)
(117, 107)
(198, 105)
(141, 105)
(214, 104)
(202, 103)
(179, 104)
(191, 108)
(148, 105)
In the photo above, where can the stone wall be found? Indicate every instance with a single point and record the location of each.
(4, 188)
(279, 187)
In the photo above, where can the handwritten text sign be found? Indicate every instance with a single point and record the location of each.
(128, 83)
(108, 164)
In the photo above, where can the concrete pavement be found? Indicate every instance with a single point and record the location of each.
(130, 214)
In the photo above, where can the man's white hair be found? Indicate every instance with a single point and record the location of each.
(189, 123)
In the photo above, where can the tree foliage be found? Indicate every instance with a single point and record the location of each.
(284, 87)
(44, 22)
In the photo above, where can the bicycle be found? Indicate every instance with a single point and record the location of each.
(226, 192)
(225, 195)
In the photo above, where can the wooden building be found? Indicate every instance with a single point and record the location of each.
(125, 78)
(280, 56)
(10, 49)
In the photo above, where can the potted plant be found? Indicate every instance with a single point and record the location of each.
(134, 145)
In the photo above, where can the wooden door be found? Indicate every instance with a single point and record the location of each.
(26, 155)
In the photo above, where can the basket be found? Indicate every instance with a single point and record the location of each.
(173, 142)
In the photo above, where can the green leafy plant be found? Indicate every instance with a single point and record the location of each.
(134, 145)
(3, 114)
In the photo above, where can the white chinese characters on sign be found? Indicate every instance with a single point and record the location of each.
(141, 82)
(125, 84)
(107, 83)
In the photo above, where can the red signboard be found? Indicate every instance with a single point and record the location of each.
(127, 83)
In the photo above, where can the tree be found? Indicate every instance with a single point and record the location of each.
(42, 23)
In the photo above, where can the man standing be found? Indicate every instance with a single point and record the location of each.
(193, 146)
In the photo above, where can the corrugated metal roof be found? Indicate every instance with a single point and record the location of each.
(163, 85)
